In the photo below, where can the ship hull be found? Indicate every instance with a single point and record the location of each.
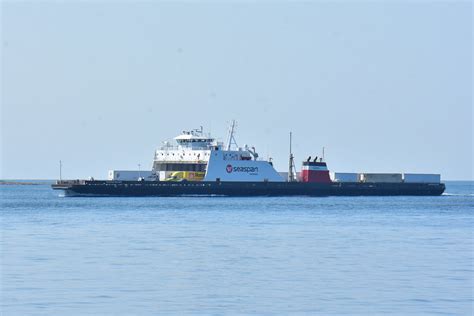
(208, 188)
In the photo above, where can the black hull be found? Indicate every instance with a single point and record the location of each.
(204, 188)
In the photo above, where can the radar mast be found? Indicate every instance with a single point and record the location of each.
(291, 165)
(231, 139)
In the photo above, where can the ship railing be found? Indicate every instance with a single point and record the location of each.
(194, 147)
(70, 182)
(169, 147)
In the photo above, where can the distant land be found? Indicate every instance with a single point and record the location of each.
(24, 182)
(9, 182)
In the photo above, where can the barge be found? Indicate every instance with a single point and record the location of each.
(198, 165)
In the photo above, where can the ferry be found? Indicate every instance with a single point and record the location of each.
(196, 164)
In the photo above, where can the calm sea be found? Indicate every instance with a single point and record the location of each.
(298, 255)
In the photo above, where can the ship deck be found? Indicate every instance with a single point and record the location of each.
(221, 188)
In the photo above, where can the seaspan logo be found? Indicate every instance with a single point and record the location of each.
(231, 169)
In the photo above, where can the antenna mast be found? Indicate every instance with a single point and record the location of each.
(291, 165)
(231, 139)
(60, 170)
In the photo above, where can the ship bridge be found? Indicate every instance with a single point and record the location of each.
(194, 140)
(187, 158)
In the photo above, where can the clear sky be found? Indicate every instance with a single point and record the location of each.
(384, 86)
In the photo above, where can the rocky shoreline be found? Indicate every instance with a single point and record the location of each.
(2, 182)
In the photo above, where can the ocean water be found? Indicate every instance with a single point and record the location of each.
(298, 255)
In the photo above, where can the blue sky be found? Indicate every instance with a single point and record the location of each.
(384, 86)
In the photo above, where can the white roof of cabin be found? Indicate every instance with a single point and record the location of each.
(192, 136)
(187, 136)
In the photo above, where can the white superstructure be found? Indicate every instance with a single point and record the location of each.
(197, 156)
